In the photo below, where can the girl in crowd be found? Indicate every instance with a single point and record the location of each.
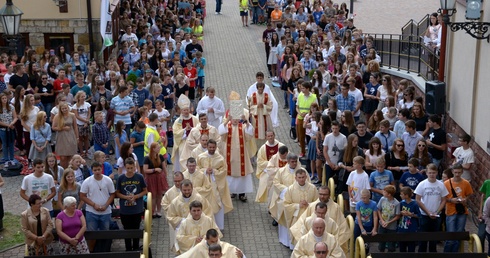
(120, 137)
(40, 136)
(397, 159)
(69, 187)
(81, 109)
(422, 154)
(371, 101)
(155, 170)
(28, 115)
(66, 128)
(18, 101)
(8, 118)
(127, 151)
(385, 90)
(348, 126)
(421, 119)
(373, 154)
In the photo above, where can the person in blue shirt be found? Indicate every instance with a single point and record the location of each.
(141, 91)
(409, 222)
(199, 62)
(380, 178)
(412, 177)
(100, 157)
(137, 139)
(385, 135)
(366, 215)
(136, 70)
(317, 14)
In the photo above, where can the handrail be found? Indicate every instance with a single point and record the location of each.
(149, 206)
(360, 248)
(473, 243)
(331, 186)
(340, 202)
(146, 243)
(351, 223)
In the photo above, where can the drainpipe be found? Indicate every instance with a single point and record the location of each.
(90, 30)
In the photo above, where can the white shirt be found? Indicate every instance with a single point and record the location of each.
(357, 94)
(432, 194)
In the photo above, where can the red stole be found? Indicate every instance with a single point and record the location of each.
(254, 102)
(282, 163)
(204, 131)
(186, 122)
(242, 149)
(271, 150)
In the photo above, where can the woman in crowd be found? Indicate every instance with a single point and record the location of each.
(397, 159)
(8, 118)
(408, 99)
(69, 187)
(348, 125)
(40, 136)
(66, 128)
(78, 64)
(371, 101)
(37, 226)
(120, 137)
(346, 160)
(385, 90)
(332, 107)
(28, 115)
(126, 151)
(422, 154)
(373, 154)
(70, 227)
(51, 167)
(82, 112)
(155, 171)
(62, 55)
(421, 119)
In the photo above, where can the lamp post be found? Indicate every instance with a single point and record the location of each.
(10, 17)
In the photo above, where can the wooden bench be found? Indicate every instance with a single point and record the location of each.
(473, 240)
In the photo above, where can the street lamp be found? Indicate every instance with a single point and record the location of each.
(478, 30)
(10, 17)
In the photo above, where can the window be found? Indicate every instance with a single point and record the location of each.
(54, 40)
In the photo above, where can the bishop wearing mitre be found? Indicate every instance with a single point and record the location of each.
(181, 129)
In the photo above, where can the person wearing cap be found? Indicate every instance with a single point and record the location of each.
(182, 128)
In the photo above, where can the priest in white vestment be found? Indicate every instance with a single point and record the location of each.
(213, 166)
(169, 196)
(212, 237)
(212, 106)
(200, 183)
(317, 234)
(193, 229)
(303, 225)
(236, 135)
(265, 153)
(267, 89)
(181, 129)
(260, 109)
(193, 139)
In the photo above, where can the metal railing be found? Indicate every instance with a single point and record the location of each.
(407, 52)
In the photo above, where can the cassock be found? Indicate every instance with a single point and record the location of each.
(302, 226)
(216, 103)
(275, 106)
(191, 229)
(284, 178)
(306, 245)
(293, 196)
(180, 136)
(260, 116)
(201, 250)
(335, 212)
(179, 208)
(239, 167)
(169, 196)
(251, 145)
(265, 153)
(193, 140)
(201, 184)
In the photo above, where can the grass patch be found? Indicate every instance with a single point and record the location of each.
(11, 234)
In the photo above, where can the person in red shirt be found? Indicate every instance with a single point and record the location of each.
(191, 73)
(58, 83)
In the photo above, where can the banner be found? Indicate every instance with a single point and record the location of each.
(106, 9)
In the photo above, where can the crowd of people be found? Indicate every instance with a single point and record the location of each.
(370, 134)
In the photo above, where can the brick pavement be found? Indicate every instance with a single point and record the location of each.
(234, 55)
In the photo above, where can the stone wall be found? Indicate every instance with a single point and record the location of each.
(79, 28)
(480, 169)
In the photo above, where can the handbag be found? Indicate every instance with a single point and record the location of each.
(460, 209)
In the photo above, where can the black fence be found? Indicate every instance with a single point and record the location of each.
(407, 51)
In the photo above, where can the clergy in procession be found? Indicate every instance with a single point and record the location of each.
(334, 211)
(212, 238)
(212, 106)
(303, 225)
(265, 153)
(169, 196)
(202, 147)
(284, 178)
(277, 161)
(200, 183)
(152, 134)
(297, 198)
(181, 129)
(179, 207)
(193, 139)
(193, 229)
(260, 106)
(317, 234)
(213, 165)
(237, 134)
(275, 107)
